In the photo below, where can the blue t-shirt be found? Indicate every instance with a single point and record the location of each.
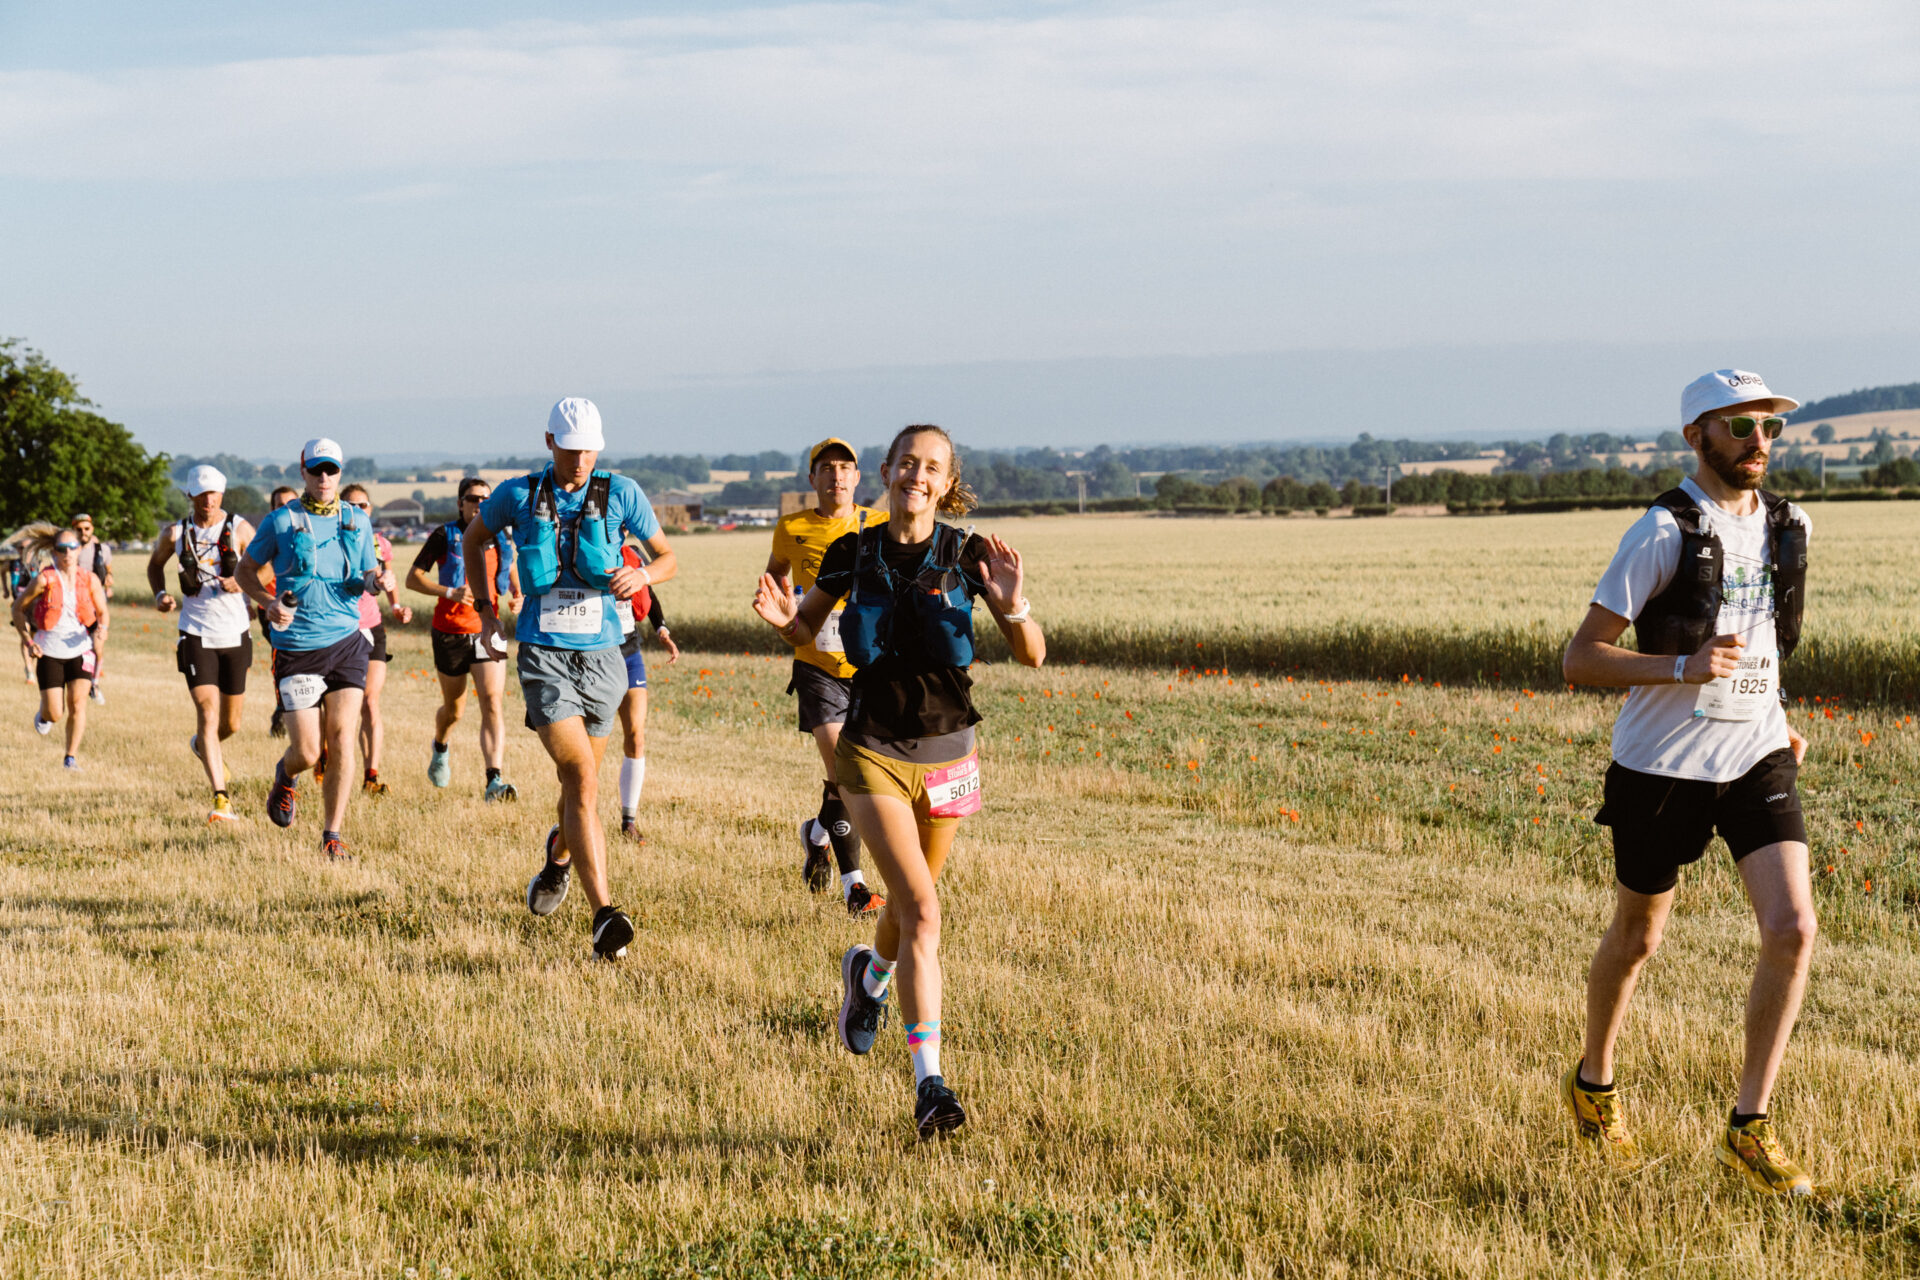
(572, 615)
(329, 608)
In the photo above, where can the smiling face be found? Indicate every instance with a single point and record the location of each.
(919, 472)
(1740, 464)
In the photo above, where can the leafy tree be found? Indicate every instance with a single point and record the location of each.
(62, 457)
(1824, 433)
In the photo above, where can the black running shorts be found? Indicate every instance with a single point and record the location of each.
(1661, 824)
(341, 665)
(58, 673)
(226, 668)
(377, 637)
(454, 653)
(824, 699)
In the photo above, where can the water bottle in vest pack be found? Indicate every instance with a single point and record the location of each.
(596, 552)
(190, 581)
(537, 537)
(303, 552)
(937, 620)
(1686, 614)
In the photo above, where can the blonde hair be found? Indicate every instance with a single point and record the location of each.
(959, 497)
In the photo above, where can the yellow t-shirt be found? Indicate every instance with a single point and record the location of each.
(801, 539)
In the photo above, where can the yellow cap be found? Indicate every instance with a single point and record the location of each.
(813, 458)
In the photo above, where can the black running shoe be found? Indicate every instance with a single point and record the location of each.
(862, 901)
(281, 805)
(817, 870)
(612, 931)
(935, 1109)
(861, 1016)
(547, 890)
(631, 832)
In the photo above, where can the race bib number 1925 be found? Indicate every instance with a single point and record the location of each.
(1744, 695)
(954, 792)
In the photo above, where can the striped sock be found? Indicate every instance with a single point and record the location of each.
(879, 976)
(923, 1038)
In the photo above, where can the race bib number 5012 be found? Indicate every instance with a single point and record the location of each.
(954, 792)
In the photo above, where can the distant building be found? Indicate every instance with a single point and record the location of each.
(403, 511)
(676, 508)
(792, 502)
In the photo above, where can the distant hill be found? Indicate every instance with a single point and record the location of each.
(1868, 400)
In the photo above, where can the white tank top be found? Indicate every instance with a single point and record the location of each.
(218, 617)
(67, 638)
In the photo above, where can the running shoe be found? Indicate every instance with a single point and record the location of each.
(439, 771)
(547, 890)
(276, 727)
(373, 786)
(1755, 1151)
(222, 811)
(281, 803)
(612, 931)
(862, 901)
(193, 745)
(98, 695)
(1597, 1116)
(73, 762)
(26, 673)
(335, 847)
(935, 1109)
(861, 1016)
(631, 832)
(498, 789)
(41, 727)
(817, 870)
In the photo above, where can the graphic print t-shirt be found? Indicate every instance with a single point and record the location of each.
(1657, 731)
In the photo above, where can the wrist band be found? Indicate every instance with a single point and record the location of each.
(647, 577)
(1026, 611)
(1680, 669)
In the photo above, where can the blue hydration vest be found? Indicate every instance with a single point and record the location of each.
(925, 615)
(536, 535)
(453, 565)
(302, 552)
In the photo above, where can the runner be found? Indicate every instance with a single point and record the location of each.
(279, 498)
(457, 647)
(822, 677)
(373, 731)
(215, 648)
(59, 615)
(633, 707)
(96, 557)
(1703, 744)
(322, 554)
(906, 763)
(568, 522)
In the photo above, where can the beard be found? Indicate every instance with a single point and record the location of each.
(1727, 464)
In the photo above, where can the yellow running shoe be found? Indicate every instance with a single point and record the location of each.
(1754, 1149)
(222, 811)
(1597, 1116)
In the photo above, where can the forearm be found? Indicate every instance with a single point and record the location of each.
(248, 576)
(1025, 639)
(662, 568)
(1608, 666)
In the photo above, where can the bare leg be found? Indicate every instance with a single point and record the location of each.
(343, 723)
(490, 687)
(909, 857)
(633, 723)
(373, 731)
(576, 759)
(77, 691)
(211, 732)
(1634, 935)
(1781, 887)
(453, 701)
(53, 704)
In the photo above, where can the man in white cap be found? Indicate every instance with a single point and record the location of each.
(96, 557)
(323, 557)
(1712, 579)
(569, 522)
(215, 648)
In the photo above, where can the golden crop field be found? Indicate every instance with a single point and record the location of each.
(1254, 973)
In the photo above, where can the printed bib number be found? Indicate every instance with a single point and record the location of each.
(954, 792)
(569, 611)
(827, 639)
(298, 693)
(1744, 695)
(623, 610)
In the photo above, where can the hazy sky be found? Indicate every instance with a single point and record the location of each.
(419, 223)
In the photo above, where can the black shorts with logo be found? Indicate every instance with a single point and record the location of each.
(341, 665)
(226, 668)
(454, 653)
(1661, 824)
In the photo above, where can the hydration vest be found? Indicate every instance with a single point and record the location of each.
(47, 609)
(190, 581)
(926, 615)
(303, 553)
(1687, 613)
(594, 554)
(453, 565)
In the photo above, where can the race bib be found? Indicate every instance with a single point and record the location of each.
(827, 639)
(568, 611)
(1744, 695)
(623, 610)
(298, 693)
(954, 792)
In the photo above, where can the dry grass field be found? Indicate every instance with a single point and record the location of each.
(1251, 972)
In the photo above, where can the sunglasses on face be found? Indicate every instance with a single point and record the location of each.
(1742, 427)
(323, 469)
(66, 546)
(476, 497)
(364, 506)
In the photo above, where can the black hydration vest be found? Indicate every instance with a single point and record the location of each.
(190, 579)
(1687, 613)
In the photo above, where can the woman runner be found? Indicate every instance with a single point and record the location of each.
(57, 617)
(373, 730)
(906, 763)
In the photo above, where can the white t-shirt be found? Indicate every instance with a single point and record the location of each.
(1657, 731)
(67, 638)
(218, 617)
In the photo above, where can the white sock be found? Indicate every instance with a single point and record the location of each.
(879, 976)
(633, 772)
(816, 834)
(849, 880)
(924, 1039)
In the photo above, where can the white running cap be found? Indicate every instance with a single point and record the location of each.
(320, 448)
(575, 424)
(1725, 387)
(205, 479)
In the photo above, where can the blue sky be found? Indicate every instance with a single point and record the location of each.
(418, 224)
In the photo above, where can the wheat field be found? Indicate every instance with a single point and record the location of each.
(1251, 971)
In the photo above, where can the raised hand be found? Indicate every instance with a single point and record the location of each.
(774, 600)
(1002, 575)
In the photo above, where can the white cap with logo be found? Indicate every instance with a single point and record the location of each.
(205, 479)
(575, 424)
(1725, 387)
(321, 449)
